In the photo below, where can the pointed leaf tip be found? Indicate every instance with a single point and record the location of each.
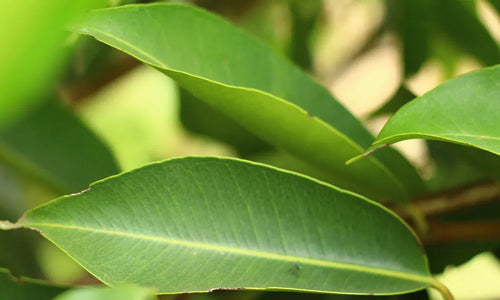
(367, 153)
(464, 111)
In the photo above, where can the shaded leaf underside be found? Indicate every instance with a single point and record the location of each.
(243, 79)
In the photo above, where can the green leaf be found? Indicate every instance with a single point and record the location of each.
(18, 247)
(411, 21)
(464, 110)
(197, 116)
(449, 168)
(26, 288)
(457, 20)
(18, 253)
(33, 37)
(264, 93)
(50, 144)
(495, 4)
(303, 18)
(199, 224)
(480, 163)
(119, 292)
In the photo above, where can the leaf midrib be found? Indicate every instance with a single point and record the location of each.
(247, 252)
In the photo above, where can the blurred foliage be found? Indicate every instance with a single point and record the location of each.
(21, 288)
(35, 34)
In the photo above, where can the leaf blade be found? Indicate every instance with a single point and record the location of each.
(209, 223)
(252, 96)
(451, 113)
(62, 153)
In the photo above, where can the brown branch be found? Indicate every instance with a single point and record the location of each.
(445, 233)
(79, 91)
(453, 200)
(450, 201)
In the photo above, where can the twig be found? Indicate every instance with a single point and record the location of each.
(447, 201)
(79, 91)
(445, 233)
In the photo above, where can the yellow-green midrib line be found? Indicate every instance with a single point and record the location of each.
(254, 253)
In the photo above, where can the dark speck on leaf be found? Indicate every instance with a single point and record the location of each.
(226, 289)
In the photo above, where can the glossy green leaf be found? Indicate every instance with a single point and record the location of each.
(411, 21)
(32, 36)
(50, 144)
(200, 224)
(465, 110)
(264, 93)
(119, 292)
(458, 20)
(26, 288)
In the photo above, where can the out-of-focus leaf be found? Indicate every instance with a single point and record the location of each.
(461, 24)
(32, 36)
(246, 81)
(199, 224)
(304, 15)
(464, 110)
(89, 59)
(485, 163)
(18, 249)
(449, 168)
(26, 288)
(495, 4)
(411, 21)
(400, 98)
(50, 144)
(118, 292)
(18, 253)
(263, 21)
